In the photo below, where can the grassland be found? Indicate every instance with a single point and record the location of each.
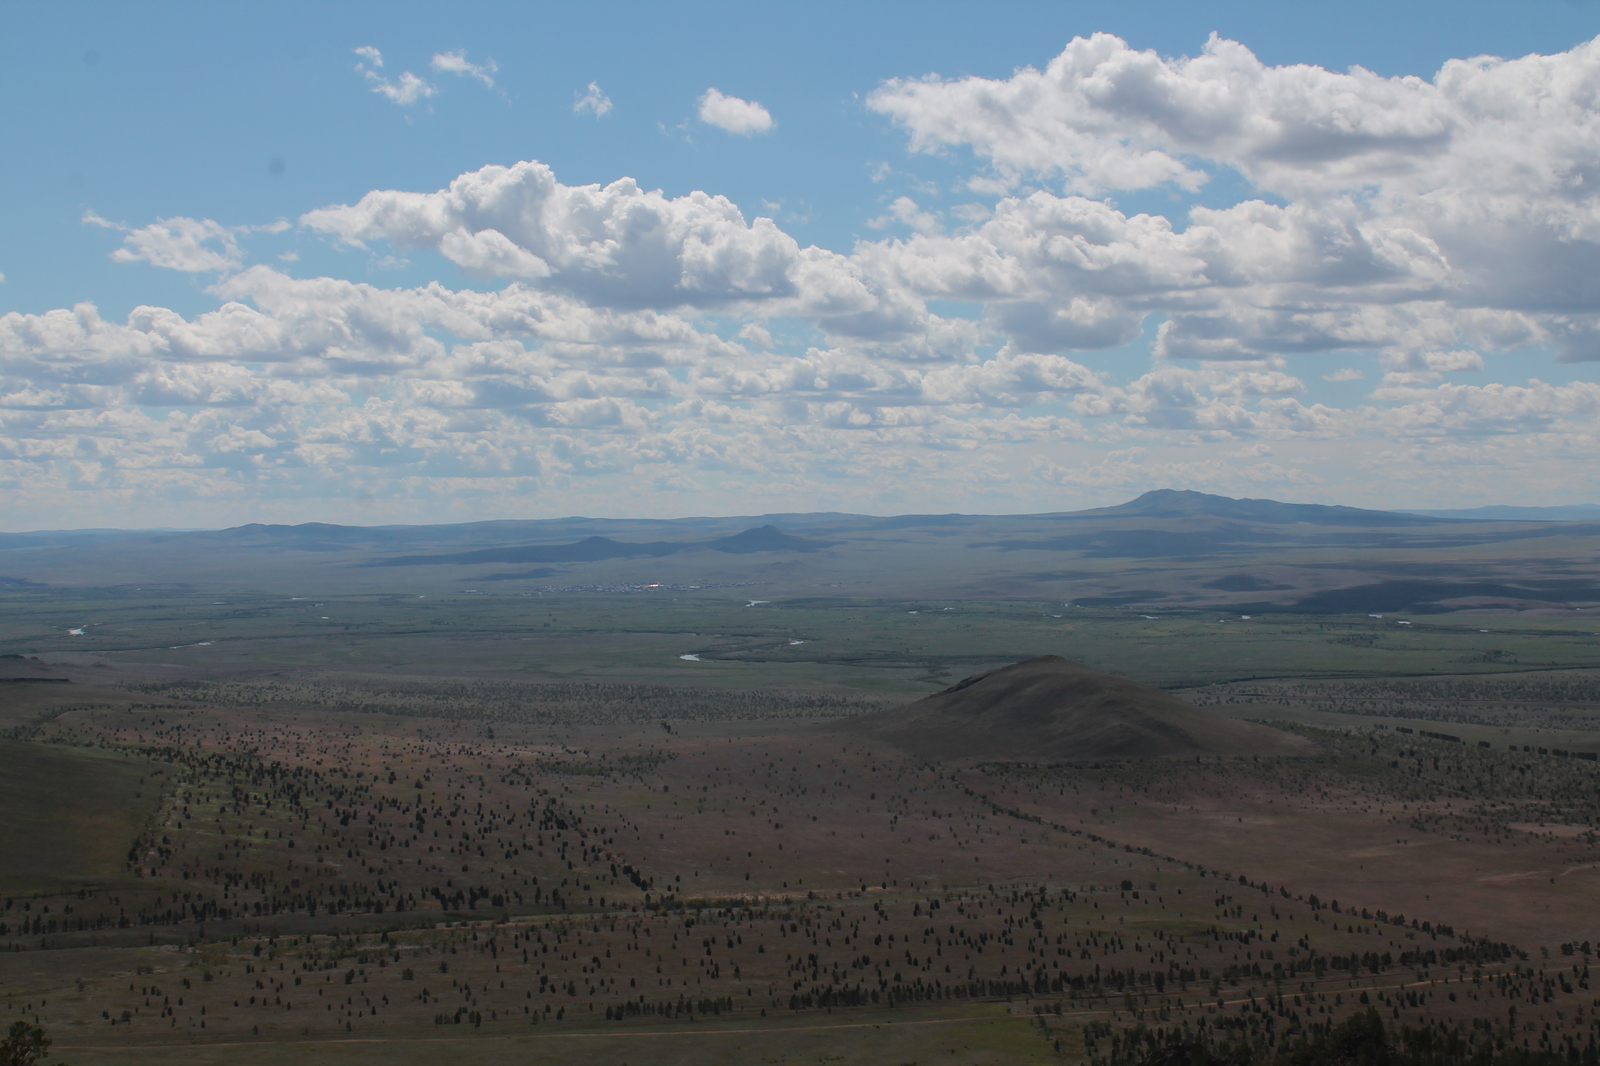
(305, 809)
(399, 877)
(68, 815)
(897, 647)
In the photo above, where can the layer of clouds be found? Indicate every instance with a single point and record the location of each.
(621, 246)
(1415, 214)
(733, 115)
(1103, 116)
(320, 387)
(636, 349)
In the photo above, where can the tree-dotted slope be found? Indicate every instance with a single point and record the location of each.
(1053, 709)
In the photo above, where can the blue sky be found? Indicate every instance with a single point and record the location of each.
(981, 376)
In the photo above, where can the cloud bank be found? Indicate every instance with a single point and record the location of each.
(625, 351)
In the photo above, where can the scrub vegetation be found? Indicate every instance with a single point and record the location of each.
(502, 821)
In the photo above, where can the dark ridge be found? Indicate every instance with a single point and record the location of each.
(1051, 709)
(587, 550)
(913, 521)
(12, 662)
(65, 538)
(1575, 512)
(1147, 543)
(766, 539)
(1424, 597)
(309, 536)
(323, 536)
(1180, 503)
(598, 549)
(526, 575)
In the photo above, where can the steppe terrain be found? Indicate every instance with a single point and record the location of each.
(509, 794)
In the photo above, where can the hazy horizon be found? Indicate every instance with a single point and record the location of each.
(1508, 511)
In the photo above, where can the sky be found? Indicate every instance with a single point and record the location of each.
(405, 263)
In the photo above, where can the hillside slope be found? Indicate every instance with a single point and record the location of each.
(1053, 709)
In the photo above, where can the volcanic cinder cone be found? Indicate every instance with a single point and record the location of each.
(1052, 709)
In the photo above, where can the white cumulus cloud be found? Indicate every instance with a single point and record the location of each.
(640, 345)
(194, 245)
(614, 245)
(1419, 215)
(733, 115)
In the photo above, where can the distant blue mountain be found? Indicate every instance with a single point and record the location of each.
(1575, 512)
(1183, 503)
(594, 549)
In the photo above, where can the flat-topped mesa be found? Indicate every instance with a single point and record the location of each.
(1052, 709)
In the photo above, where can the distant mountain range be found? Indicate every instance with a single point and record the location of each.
(1179, 503)
(1159, 503)
(1165, 550)
(1576, 512)
(595, 549)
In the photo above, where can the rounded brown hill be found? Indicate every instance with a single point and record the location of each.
(1054, 709)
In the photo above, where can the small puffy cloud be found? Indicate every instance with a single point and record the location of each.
(593, 102)
(1344, 373)
(194, 245)
(456, 63)
(733, 115)
(404, 90)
